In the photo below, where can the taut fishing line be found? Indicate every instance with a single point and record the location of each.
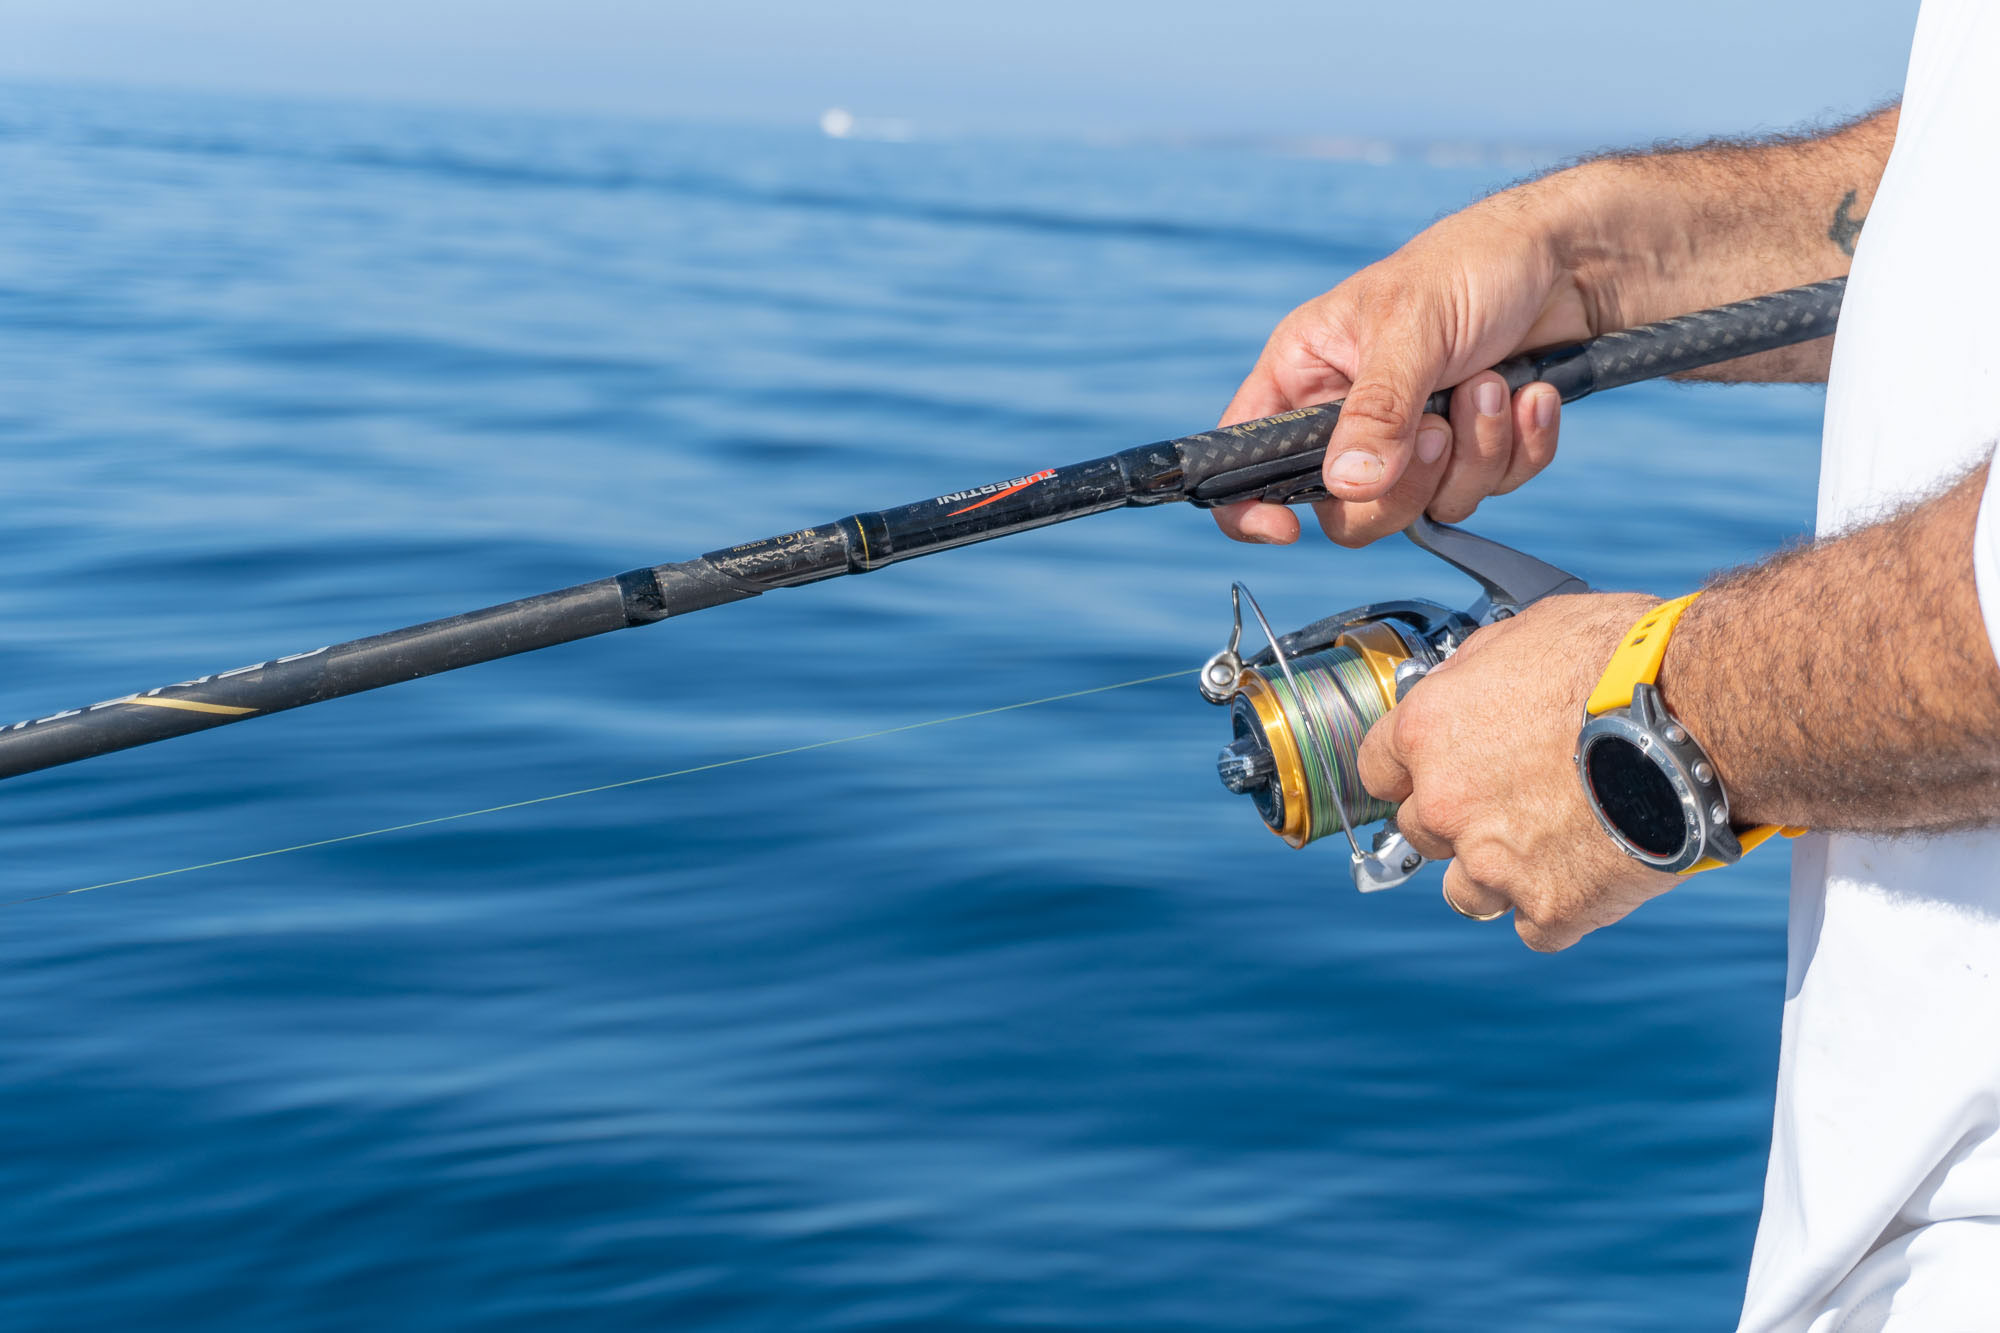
(592, 791)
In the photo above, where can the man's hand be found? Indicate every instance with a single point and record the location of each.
(1479, 754)
(1616, 242)
(1845, 686)
(1470, 292)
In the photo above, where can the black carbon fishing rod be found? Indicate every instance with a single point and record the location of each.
(1276, 459)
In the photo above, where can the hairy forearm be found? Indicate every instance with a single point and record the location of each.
(1850, 684)
(1649, 235)
(1660, 233)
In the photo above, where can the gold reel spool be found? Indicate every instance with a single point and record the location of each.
(1289, 749)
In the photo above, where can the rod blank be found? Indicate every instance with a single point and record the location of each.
(1276, 459)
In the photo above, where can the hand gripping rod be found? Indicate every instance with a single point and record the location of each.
(1276, 459)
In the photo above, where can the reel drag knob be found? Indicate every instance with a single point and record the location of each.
(1245, 764)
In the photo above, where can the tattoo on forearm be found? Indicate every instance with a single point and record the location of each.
(1846, 227)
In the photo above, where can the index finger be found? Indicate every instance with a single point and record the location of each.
(1258, 396)
(1255, 521)
(1252, 520)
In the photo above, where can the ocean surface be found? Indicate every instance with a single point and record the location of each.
(1015, 1022)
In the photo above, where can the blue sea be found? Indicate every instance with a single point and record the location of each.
(1015, 1022)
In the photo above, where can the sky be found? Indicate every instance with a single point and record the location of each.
(1554, 72)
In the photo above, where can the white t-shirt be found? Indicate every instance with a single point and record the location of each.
(1882, 1206)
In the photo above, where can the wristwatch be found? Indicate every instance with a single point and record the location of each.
(1647, 780)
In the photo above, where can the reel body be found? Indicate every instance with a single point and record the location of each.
(1300, 708)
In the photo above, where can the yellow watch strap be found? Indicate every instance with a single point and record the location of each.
(1637, 660)
(1752, 839)
(1636, 663)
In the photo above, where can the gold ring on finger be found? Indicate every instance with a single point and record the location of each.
(1452, 903)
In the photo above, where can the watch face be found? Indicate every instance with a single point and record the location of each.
(1635, 796)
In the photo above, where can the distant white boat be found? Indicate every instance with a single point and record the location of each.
(837, 122)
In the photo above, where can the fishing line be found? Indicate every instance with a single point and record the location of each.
(1342, 702)
(592, 791)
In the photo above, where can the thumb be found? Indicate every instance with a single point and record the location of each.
(1377, 432)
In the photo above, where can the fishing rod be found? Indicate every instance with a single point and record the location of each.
(1275, 459)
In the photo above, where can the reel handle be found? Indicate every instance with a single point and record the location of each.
(1392, 860)
(1389, 866)
(1512, 579)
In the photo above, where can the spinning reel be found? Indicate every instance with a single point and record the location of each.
(1299, 709)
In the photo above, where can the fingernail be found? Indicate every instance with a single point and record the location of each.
(1489, 398)
(1356, 468)
(1431, 443)
(1545, 409)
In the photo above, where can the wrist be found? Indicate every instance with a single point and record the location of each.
(1653, 784)
(1693, 687)
(1614, 229)
(1605, 231)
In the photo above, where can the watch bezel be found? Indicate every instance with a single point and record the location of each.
(1662, 741)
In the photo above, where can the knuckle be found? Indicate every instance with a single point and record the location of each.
(1398, 509)
(1536, 938)
(1433, 845)
(1230, 521)
(1353, 525)
(1528, 464)
(1377, 291)
(1543, 927)
(1354, 538)
(1483, 868)
(1384, 779)
(1491, 441)
(1519, 473)
(1444, 816)
(1302, 329)
(1307, 315)
(1465, 428)
(1441, 813)
(1412, 491)
(1412, 726)
(1378, 406)
(1452, 508)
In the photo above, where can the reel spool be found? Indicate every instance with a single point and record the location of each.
(1298, 710)
(1281, 736)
